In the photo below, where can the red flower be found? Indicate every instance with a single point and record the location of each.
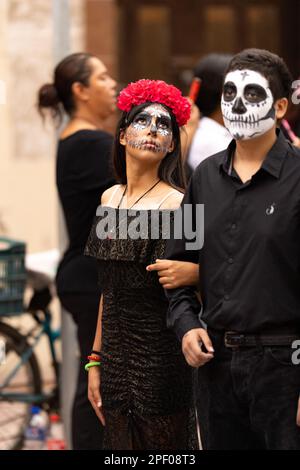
(155, 91)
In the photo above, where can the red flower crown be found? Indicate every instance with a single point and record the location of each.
(155, 91)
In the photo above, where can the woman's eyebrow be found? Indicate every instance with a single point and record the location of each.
(165, 118)
(142, 113)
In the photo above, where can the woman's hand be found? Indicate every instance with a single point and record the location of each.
(94, 392)
(173, 274)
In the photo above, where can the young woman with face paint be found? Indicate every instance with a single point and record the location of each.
(142, 389)
(249, 377)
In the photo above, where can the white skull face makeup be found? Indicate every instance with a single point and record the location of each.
(156, 118)
(247, 104)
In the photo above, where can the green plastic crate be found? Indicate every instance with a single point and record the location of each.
(12, 276)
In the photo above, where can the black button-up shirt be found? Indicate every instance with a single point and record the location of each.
(250, 261)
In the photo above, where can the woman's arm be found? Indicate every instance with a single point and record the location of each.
(94, 395)
(98, 335)
(173, 274)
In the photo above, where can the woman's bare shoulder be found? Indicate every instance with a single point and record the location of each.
(106, 195)
(173, 201)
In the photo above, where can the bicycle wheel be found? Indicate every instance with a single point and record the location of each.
(26, 381)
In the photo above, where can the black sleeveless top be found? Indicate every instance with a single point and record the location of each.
(83, 173)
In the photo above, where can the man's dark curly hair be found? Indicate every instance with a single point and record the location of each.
(270, 65)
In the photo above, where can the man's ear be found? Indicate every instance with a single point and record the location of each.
(122, 139)
(281, 106)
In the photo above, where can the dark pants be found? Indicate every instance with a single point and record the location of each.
(87, 431)
(248, 398)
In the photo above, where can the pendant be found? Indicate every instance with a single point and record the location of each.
(110, 235)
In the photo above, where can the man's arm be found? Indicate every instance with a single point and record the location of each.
(184, 306)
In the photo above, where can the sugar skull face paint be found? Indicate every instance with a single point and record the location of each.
(247, 104)
(156, 119)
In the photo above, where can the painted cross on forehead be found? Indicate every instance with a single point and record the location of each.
(247, 104)
(155, 116)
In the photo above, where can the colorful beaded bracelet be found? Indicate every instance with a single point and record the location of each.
(94, 358)
(91, 364)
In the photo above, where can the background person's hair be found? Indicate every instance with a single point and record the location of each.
(211, 69)
(171, 167)
(270, 65)
(57, 97)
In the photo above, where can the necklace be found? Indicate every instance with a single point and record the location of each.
(144, 194)
(113, 231)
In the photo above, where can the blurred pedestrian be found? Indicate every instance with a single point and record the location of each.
(83, 89)
(210, 136)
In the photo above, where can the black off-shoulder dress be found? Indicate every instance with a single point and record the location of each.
(145, 382)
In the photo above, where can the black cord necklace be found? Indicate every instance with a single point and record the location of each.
(112, 233)
(144, 194)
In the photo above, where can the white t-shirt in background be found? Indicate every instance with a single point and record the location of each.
(210, 138)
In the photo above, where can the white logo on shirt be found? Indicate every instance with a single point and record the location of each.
(270, 210)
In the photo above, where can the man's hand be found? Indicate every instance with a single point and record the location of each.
(191, 347)
(298, 413)
(173, 274)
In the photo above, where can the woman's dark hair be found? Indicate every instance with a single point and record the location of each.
(270, 65)
(171, 167)
(211, 69)
(58, 96)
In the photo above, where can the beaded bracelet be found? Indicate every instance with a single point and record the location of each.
(96, 353)
(91, 364)
(94, 358)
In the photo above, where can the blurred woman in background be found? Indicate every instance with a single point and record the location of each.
(83, 89)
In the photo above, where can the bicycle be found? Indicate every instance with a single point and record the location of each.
(20, 375)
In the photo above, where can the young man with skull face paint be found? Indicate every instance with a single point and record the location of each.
(249, 384)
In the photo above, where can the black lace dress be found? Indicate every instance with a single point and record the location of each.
(145, 381)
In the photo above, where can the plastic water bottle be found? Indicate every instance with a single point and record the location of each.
(56, 439)
(36, 431)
